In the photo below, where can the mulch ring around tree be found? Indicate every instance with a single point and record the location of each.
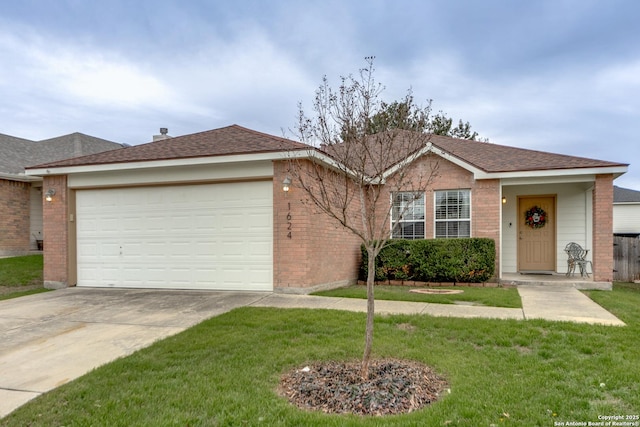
(393, 387)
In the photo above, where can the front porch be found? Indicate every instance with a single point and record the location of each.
(572, 206)
(555, 279)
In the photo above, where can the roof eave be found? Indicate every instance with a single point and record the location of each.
(149, 164)
(477, 172)
(19, 177)
(616, 171)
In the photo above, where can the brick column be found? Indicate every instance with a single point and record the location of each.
(486, 204)
(603, 228)
(290, 239)
(56, 233)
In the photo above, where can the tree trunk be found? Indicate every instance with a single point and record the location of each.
(368, 340)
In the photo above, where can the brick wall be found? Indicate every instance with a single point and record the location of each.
(14, 217)
(485, 217)
(56, 236)
(311, 251)
(485, 196)
(321, 253)
(603, 228)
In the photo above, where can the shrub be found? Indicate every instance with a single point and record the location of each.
(435, 260)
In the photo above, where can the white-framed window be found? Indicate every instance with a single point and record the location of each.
(407, 215)
(453, 213)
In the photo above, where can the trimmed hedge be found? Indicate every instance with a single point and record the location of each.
(434, 260)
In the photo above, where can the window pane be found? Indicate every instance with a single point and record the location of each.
(453, 213)
(465, 197)
(407, 215)
(464, 229)
(452, 229)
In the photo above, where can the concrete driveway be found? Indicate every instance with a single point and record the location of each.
(52, 338)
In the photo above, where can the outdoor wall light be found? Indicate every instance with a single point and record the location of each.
(286, 184)
(48, 196)
(504, 200)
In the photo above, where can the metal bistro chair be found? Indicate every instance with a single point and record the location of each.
(577, 257)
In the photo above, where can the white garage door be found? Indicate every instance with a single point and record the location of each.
(214, 236)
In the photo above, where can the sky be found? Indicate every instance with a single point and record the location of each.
(552, 75)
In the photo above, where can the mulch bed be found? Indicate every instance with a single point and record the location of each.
(393, 387)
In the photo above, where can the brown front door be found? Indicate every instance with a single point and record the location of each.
(537, 233)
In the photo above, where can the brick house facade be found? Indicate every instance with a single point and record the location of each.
(308, 251)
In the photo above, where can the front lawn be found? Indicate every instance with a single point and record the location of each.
(21, 271)
(20, 276)
(494, 297)
(226, 371)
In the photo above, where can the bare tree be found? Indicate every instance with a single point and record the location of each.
(353, 174)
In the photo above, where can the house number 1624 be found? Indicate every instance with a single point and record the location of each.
(289, 220)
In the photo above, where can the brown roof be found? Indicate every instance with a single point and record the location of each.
(494, 158)
(376, 153)
(234, 139)
(490, 158)
(228, 140)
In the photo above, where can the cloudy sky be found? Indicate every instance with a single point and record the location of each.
(554, 75)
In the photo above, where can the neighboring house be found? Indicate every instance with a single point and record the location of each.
(208, 211)
(626, 231)
(21, 195)
(626, 211)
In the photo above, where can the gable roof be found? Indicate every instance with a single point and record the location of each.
(18, 153)
(488, 158)
(494, 158)
(228, 140)
(625, 195)
(484, 157)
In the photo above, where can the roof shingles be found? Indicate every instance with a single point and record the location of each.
(495, 158)
(625, 195)
(228, 140)
(18, 153)
(234, 139)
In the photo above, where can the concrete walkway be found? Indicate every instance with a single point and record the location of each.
(563, 303)
(52, 338)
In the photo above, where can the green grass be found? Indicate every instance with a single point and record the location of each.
(21, 271)
(21, 276)
(494, 297)
(225, 371)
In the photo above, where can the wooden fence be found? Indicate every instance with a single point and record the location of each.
(626, 258)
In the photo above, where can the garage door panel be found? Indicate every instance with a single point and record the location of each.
(216, 236)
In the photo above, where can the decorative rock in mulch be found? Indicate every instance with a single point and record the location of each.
(393, 387)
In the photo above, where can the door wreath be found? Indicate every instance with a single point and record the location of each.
(535, 217)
